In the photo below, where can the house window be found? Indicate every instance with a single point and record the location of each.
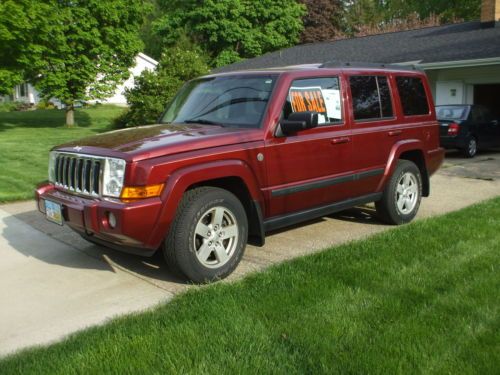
(23, 90)
(371, 97)
(413, 96)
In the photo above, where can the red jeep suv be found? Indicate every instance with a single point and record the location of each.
(239, 154)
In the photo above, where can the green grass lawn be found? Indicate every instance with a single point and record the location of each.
(423, 298)
(27, 137)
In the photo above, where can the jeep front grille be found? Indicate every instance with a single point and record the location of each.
(81, 174)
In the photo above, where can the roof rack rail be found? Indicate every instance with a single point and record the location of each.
(345, 64)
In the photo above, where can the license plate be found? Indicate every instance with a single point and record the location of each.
(53, 212)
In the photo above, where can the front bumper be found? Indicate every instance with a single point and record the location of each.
(89, 217)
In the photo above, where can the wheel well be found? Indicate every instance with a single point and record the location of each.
(417, 157)
(238, 187)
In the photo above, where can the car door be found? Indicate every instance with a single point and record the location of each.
(374, 129)
(492, 127)
(311, 167)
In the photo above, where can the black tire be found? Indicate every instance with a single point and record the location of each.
(387, 208)
(182, 247)
(470, 149)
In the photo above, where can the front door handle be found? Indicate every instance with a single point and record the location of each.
(393, 133)
(340, 140)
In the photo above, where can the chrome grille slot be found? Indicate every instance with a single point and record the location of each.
(78, 173)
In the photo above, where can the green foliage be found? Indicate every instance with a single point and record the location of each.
(72, 50)
(232, 29)
(154, 90)
(27, 137)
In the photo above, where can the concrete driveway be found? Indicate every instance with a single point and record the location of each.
(53, 283)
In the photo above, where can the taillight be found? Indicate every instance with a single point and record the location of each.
(453, 129)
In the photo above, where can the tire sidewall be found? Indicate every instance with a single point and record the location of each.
(184, 241)
(401, 170)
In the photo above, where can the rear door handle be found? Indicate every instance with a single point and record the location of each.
(340, 140)
(393, 133)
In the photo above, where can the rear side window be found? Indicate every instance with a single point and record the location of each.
(371, 97)
(413, 96)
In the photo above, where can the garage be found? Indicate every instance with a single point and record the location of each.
(489, 96)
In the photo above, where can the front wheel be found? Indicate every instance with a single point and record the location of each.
(402, 195)
(208, 236)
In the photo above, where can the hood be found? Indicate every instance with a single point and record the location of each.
(159, 140)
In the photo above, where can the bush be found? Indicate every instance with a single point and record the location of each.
(14, 106)
(154, 90)
(45, 105)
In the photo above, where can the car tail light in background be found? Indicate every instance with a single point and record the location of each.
(453, 129)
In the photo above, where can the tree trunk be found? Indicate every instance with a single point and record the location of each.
(70, 115)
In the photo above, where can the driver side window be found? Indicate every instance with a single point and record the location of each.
(320, 95)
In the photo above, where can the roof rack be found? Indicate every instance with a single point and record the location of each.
(344, 64)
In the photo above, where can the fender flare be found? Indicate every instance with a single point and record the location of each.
(396, 151)
(180, 180)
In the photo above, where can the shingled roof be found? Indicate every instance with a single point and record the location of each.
(455, 42)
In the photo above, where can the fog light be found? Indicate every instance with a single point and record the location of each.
(111, 220)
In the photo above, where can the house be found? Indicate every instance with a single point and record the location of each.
(27, 93)
(462, 60)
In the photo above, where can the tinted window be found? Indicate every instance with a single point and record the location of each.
(413, 97)
(452, 112)
(320, 95)
(371, 97)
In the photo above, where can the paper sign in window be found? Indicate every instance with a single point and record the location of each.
(332, 104)
(307, 99)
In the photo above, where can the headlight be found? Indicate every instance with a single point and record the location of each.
(52, 166)
(113, 176)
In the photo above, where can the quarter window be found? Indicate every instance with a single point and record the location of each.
(371, 97)
(413, 96)
(320, 95)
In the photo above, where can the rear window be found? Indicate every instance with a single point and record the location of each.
(454, 112)
(371, 97)
(413, 96)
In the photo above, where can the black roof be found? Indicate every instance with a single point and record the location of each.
(462, 41)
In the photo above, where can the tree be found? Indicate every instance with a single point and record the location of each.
(230, 30)
(322, 21)
(154, 90)
(73, 50)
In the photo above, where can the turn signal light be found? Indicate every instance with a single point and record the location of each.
(141, 192)
(453, 129)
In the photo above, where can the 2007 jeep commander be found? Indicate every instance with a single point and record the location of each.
(238, 154)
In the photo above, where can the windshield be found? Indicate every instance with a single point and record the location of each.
(236, 101)
(452, 112)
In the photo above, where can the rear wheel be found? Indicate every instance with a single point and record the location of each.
(401, 197)
(470, 149)
(208, 236)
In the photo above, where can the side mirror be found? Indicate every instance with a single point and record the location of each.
(299, 121)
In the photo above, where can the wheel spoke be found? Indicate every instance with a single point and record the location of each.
(400, 189)
(204, 252)
(202, 230)
(229, 232)
(401, 203)
(218, 216)
(408, 203)
(220, 253)
(407, 180)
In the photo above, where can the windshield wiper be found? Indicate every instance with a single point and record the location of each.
(201, 121)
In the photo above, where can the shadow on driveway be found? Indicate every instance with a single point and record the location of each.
(149, 268)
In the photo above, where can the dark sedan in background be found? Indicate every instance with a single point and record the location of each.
(468, 128)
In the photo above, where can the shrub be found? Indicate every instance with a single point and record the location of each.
(153, 90)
